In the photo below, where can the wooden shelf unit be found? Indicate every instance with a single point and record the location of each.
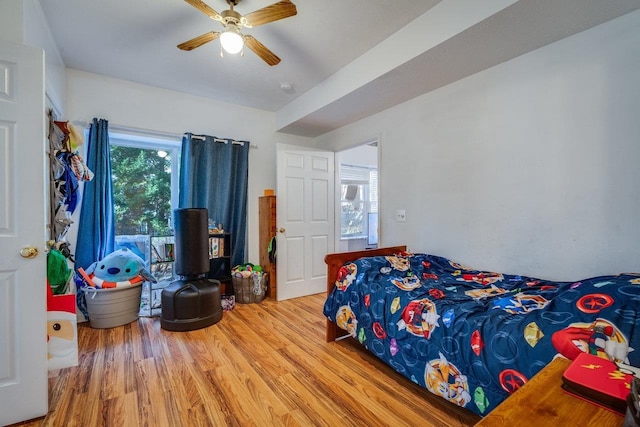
(220, 261)
(267, 230)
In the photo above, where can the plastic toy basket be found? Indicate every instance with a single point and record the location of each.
(250, 289)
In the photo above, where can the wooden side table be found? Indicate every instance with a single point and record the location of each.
(541, 402)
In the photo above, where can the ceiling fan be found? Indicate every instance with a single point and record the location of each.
(231, 39)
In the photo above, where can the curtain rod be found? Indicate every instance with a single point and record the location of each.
(233, 141)
(133, 130)
(149, 132)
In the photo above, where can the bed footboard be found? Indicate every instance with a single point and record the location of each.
(337, 260)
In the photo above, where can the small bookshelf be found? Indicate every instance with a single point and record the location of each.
(220, 260)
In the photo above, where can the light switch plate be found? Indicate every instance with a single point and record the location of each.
(401, 215)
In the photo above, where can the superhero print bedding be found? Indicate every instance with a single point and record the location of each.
(474, 337)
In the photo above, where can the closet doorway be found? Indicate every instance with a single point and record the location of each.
(357, 198)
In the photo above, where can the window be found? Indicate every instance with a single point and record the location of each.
(145, 184)
(358, 198)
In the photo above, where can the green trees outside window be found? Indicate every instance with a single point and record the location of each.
(141, 190)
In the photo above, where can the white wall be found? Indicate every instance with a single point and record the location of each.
(530, 167)
(37, 33)
(11, 21)
(362, 155)
(23, 22)
(135, 105)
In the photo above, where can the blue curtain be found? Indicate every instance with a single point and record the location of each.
(96, 231)
(214, 174)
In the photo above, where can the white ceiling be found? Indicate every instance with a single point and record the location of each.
(323, 48)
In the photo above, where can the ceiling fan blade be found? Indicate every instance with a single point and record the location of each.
(282, 9)
(204, 8)
(199, 41)
(261, 50)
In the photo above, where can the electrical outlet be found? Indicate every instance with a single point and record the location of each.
(401, 215)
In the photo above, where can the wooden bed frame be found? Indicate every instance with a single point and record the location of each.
(334, 262)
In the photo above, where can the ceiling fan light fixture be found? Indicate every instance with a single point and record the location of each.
(231, 39)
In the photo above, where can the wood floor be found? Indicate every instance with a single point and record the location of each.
(263, 364)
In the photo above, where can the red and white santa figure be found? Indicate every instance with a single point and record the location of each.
(62, 338)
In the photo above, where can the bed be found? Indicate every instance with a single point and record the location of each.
(474, 337)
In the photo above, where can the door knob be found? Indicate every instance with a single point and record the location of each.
(29, 252)
(282, 230)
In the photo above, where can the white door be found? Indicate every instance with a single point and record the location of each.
(305, 218)
(23, 317)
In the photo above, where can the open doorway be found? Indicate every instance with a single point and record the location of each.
(357, 198)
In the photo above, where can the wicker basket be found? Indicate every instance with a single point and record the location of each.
(244, 288)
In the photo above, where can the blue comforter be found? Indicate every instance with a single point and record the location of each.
(474, 337)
